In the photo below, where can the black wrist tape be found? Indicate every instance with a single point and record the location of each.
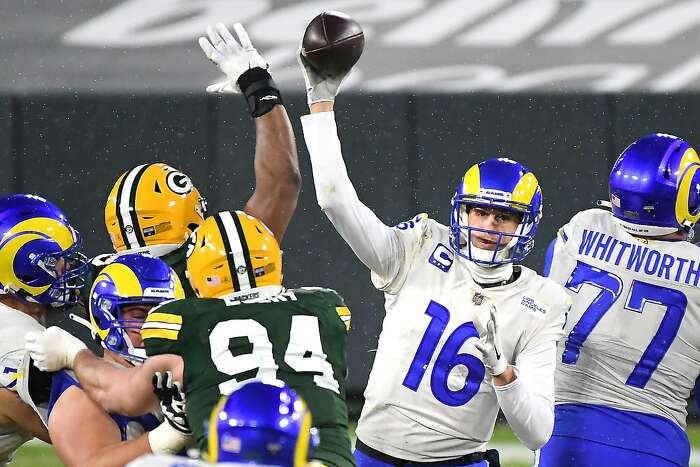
(260, 91)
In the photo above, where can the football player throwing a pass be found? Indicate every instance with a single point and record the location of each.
(631, 351)
(466, 331)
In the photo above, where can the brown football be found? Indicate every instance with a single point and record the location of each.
(332, 44)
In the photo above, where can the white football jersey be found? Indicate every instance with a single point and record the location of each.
(420, 411)
(632, 340)
(14, 370)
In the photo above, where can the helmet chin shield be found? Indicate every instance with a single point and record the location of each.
(501, 184)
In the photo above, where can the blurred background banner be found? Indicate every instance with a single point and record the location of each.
(90, 89)
(419, 45)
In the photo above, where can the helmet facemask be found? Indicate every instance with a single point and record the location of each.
(117, 339)
(68, 269)
(509, 247)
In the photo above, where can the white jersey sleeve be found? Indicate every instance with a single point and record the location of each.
(632, 340)
(374, 243)
(14, 373)
(14, 360)
(528, 402)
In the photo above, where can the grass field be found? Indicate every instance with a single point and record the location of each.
(37, 454)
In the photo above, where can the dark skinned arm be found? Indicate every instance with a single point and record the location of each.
(277, 176)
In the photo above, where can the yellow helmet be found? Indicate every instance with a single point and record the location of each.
(153, 204)
(232, 252)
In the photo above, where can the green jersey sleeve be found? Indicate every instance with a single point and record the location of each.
(161, 330)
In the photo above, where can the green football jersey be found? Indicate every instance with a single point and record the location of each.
(297, 336)
(175, 259)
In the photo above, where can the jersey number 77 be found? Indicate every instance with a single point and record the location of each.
(641, 293)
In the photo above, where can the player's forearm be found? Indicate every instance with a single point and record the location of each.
(106, 384)
(530, 415)
(277, 176)
(369, 237)
(118, 454)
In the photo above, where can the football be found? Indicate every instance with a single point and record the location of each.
(332, 44)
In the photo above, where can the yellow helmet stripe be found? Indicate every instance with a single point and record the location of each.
(9, 251)
(53, 228)
(301, 450)
(689, 157)
(525, 189)
(683, 214)
(127, 282)
(244, 246)
(212, 454)
(472, 180)
(126, 212)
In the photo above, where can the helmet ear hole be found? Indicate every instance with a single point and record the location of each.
(156, 188)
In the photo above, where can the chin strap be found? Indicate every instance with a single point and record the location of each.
(83, 322)
(603, 203)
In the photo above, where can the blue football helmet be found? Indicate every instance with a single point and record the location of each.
(40, 261)
(503, 184)
(261, 423)
(655, 186)
(130, 280)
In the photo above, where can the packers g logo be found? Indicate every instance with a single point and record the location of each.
(179, 183)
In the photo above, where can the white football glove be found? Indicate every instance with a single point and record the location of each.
(318, 88)
(232, 58)
(53, 349)
(490, 347)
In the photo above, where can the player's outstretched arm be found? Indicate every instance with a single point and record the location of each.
(277, 176)
(14, 411)
(127, 391)
(373, 242)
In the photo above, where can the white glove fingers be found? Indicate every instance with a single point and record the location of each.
(215, 38)
(226, 34)
(222, 87)
(209, 50)
(243, 37)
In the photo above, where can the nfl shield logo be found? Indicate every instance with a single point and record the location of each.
(477, 299)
